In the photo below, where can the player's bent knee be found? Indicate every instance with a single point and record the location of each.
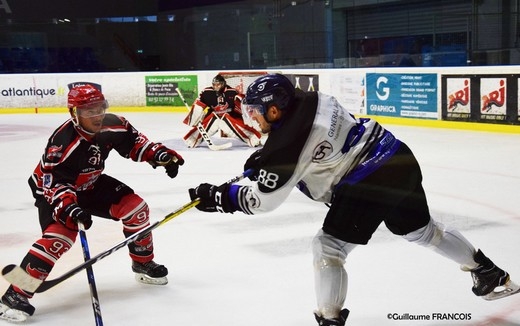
(327, 262)
(428, 235)
(132, 210)
(329, 251)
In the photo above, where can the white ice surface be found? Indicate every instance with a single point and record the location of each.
(257, 270)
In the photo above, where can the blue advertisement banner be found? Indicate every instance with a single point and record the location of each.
(402, 95)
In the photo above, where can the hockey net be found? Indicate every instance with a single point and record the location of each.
(240, 80)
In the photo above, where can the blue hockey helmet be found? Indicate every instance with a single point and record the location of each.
(265, 91)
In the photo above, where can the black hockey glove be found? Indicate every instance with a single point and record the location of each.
(253, 162)
(168, 158)
(212, 198)
(70, 215)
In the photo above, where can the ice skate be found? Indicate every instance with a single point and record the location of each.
(489, 281)
(343, 314)
(15, 307)
(150, 273)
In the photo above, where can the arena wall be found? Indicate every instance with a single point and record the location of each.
(482, 98)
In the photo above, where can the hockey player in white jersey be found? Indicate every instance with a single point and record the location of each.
(359, 169)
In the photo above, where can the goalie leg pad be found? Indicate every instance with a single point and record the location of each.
(330, 276)
(195, 116)
(233, 127)
(193, 138)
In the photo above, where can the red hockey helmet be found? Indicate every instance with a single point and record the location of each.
(86, 96)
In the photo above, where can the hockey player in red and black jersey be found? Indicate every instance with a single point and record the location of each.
(218, 108)
(69, 186)
(360, 170)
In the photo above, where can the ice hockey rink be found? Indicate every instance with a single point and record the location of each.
(237, 270)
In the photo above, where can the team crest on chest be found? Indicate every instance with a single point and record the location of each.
(322, 151)
(95, 155)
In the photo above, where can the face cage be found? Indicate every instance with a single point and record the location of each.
(217, 86)
(250, 111)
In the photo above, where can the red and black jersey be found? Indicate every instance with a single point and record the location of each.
(226, 101)
(72, 162)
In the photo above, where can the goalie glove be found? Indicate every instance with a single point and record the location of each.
(212, 198)
(163, 156)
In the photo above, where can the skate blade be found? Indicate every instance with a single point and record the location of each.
(145, 279)
(12, 315)
(506, 290)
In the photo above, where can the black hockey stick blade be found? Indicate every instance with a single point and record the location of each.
(17, 276)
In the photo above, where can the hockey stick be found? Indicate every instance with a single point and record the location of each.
(15, 275)
(202, 130)
(90, 276)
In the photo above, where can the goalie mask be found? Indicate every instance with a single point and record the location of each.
(273, 89)
(218, 83)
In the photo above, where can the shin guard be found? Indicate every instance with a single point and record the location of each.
(133, 211)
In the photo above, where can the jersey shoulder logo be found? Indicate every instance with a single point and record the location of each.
(47, 180)
(95, 155)
(54, 151)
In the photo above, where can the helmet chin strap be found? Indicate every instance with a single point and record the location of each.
(77, 125)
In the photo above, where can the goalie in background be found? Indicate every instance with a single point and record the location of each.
(218, 107)
(69, 186)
